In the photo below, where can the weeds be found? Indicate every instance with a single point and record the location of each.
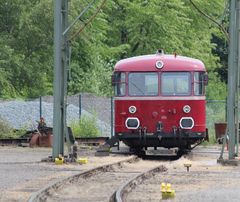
(6, 131)
(85, 127)
(215, 113)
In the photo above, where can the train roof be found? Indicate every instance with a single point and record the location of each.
(170, 63)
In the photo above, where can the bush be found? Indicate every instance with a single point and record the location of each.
(85, 127)
(5, 130)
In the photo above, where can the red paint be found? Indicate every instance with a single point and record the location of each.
(148, 63)
(150, 112)
(165, 109)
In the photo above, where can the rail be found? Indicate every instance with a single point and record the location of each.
(120, 194)
(95, 141)
(44, 193)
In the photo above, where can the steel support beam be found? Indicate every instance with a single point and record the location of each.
(237, 77)
(233, 71)
(57, 107)
(61, 68)
(60, 76)
(62, 54)
(65, 56)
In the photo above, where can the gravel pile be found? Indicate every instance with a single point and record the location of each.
(101, 106)
(25, 114)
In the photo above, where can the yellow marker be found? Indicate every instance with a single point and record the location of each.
(59, 161)
(167, 192)
(82, 160)
(163, 185)
(168, 187)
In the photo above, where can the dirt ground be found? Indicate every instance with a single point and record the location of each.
(22, 172)
(206, 181)
(101, 186)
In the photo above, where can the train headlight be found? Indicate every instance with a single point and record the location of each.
(159, 64)
(186, 109)
(132, 109)
(186, 123)
(132, 123)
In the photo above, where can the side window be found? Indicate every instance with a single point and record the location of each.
(199, 87)
(120, 86)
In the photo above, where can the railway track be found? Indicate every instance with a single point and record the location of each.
(93, 141)
(106, 183)
(14, 141)
(121, 194)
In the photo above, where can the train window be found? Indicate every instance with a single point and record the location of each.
(199, 81)
(175, 83)
(120, 84)
(143, 84)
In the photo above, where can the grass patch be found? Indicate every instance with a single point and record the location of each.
(215, 113)
(212, 140)
(85, 127)
(6, 131)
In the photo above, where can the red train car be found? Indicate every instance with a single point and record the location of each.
(160, 101)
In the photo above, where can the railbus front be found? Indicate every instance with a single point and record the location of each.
(160, 101)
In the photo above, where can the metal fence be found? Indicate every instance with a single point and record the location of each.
(26, 113)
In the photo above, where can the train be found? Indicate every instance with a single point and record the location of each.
(160, 101)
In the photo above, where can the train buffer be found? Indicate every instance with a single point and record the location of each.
(105, 149)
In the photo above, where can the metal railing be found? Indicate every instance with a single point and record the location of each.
(27, 112)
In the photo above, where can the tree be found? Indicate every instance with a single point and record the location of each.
(173, 25)
(123, 28)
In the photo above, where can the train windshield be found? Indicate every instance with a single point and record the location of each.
(175, 83)
(120, 84)
(143, 84)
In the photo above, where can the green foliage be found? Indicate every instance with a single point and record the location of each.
(212, 140)
(26, 47)
(5, 129)
(8, 132)
(86, 127)
(216, 89)
(122, 29)
(216, 112)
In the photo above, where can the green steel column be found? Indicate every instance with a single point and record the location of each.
(237, 78)
(65, 53)
(232, 65)
(58, 147)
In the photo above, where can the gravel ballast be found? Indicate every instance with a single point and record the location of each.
(21, 114)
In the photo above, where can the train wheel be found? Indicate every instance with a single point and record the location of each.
(139, 151)
(183, 151)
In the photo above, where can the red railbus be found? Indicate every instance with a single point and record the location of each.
(160, 101)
